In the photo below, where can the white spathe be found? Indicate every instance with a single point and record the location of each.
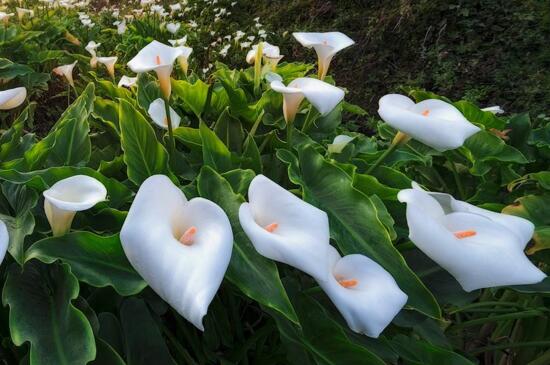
(12, 98)
(494, 109)
(157, 112)
(109, 62)
(326, 45)
(323, 96)
(173, 27)
(68, 196)
(157, 57)
(66, 71)
(339, 143)
(183, 58)
(127, 81)
(270, 53)
(480, 248)
(91, 47)
(366, 295)
(433, 122)
(284, 228)
(186, 275)
(4, 240)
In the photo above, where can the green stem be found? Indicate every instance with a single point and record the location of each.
(289, 129)
(501, 317)
(486, 304)
(382, 157)
(181, 350)
(457, 180)
(256, 124)
(172, 143)
(510, 345)
(308, 121)
(258, 68)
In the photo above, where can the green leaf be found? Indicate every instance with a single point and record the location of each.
(41, 313)
(11, 140)
(193, 95)
(355, 222)
(418, 352)
(536, 209)
(251, 158)
(147, 90)
(478, 116)
(96, 260)
(253, 274)
(106, 355)
(230, 131)
(144, 156)
(214, 151)
(144, 342)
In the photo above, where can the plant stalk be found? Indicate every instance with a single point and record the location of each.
(399, 139)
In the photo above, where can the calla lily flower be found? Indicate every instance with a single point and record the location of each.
(326, 45)
(72, 39)
(66, 71)
(494, 109)
(366, 295)
(271, 54)
(109, 62)
(126, 81)
(160, 58)
(284, 228)
(21, 12)
(478, 247)
(4, 240)
(323, 96)
(68, 196)
(157, 111)
(181, 248)
(433, 122)
(339, 143)
(183, 58)
(12, 98)
(173, 27)
(5, 17)
(91, 47)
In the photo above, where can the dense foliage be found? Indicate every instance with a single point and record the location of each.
(76, 299)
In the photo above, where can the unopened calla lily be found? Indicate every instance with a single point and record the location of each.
(181, 248)
(366, 295)
(478, 247)
(284, 228)
(326, 45)
(433, 122)
(68, 196)
(12, 98)
(157, 111)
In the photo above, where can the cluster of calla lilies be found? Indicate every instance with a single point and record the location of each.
(182, 247)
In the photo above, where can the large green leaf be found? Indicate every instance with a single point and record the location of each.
(214, 151)
(255, 275)
(11, 141)
(144, 342)
(536, 209)
(193, 95)
(355, 222)
(96, 260)
(41, 313)
(143, 154)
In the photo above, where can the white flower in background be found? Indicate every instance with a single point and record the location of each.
(326, 45)
(323, 96)
(160, 58)
(5, 17)
(245, 45)
(145, 3)
(271, 54)
(480, 248)
(365, 294)
(175, 7)
(91, 47)
(181, 248)
(126, 81)
(433, 122)
(178, 42)
(284, 228)
(183, 58)
(68, 196)
(193, 24)
(120, 27)
(173, 27)
(12, 98)
(21, 12)
(66, 71)
(494, 109)
(108, 62)
(157, 112)
(238, 35)
(339, 143)
(225, 49)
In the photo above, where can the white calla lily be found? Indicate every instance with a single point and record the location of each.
(478, 247)
(173, 27)
(284, 228)
(160, 58)
(271, 54)
(5, 17)
(326, 45)
(339, 143)
(183, 58)
(66, 71)
(127, 81)
(91, 47)
(4, 240)
(157, 112)
(433, 122)
(21, 12)
(494, 109)
(366, 295)
(68, 196)
(12, 98)
(323, 96)
(181, 248)
(109, 62)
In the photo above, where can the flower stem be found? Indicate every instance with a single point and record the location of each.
(457, 180)
(171, 141)
(289, 129)
(398, 140)
(258, 68)
(309, 120)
